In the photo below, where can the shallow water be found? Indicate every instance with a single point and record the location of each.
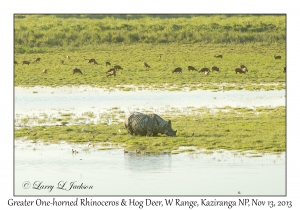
(113, 172)
(79, 100)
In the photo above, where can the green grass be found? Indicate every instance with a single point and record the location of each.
(262, 130)
(264, 71)
(35, 32)
(129, 40)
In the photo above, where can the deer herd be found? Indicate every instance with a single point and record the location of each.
(112, 71)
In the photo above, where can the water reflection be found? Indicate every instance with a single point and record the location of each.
(111, 172)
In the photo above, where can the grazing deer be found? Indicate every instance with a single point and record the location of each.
(107, 63)
(76, 70)
(37, 60)
(146, 65)
(239, 70)
(277, 57)
(92, 60)
(117, 67)
(214, 68)
(111, 72)
(218, 56)
(68, 57)
(26, 62)
(192, 68)
(177, 70)
(45, 71)
(204, 70)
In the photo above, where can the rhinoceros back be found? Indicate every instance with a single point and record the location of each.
(137, 123)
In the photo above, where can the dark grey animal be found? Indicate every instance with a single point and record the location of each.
(192, 68)
(137, 123)
(177, 70)
(37, 60)
(214, 68)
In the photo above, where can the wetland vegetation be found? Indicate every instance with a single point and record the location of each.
(251, 40)
(260, 129)
(182, 41)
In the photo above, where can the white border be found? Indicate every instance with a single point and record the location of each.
(155, 6)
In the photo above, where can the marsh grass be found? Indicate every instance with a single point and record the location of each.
(129, 40)
(236, 129)
(264, 72)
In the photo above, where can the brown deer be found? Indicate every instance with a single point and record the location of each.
(241, 71)
(117, 67)
(218, 56)
(45, 71)
(177, 70)
(277, 57)
(214, 68)
(204, 70)
(192, 68)
(146, 65)
(92, 60)
(111, 72)
(26, 62)
(37, 60)
(76, 70)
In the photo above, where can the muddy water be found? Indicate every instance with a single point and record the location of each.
(51, 168)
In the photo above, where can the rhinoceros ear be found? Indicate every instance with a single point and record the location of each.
(169, 122)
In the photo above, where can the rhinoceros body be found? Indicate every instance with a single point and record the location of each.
(137, 123)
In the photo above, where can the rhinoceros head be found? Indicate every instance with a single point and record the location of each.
(168, 129)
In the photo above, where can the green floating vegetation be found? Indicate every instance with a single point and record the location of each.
(243, 129)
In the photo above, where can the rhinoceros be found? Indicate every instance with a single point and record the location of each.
(137, 123)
